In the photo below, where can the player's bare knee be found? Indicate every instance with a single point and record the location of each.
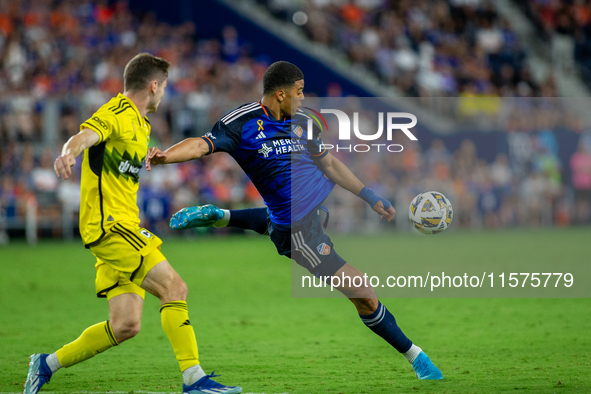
(365, 306)
(125, 329)
(371, 304)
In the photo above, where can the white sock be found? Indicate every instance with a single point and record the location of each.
(412, 353)
(192, 374)
(223, 222)
(53, 363)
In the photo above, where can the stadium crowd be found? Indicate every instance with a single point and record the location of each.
(566, 25)
(429, 48)
(71, 54)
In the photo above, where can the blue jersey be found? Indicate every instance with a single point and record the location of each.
(277, 156)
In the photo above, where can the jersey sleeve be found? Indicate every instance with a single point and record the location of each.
(224, 137)
(315, 145)
(104, 122)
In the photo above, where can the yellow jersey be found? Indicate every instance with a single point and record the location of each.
(111, 168)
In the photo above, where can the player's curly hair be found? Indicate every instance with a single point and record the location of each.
(142, 69)
(280, 75)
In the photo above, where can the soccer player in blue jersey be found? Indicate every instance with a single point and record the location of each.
(293, 174)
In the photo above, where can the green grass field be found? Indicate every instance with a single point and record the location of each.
(255, 335)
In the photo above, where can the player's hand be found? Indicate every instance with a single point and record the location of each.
(155, 157)
(63, 165)
(385, 213)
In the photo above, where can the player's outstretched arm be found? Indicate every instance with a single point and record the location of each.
(75, 145)
(337, 172)
(188, 149)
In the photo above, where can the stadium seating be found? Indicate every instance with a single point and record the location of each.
(425, 48)
(567, 27)
(61, 60)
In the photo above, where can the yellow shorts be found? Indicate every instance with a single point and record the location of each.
(124, 257)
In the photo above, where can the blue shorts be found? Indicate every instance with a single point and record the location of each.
(305, 242)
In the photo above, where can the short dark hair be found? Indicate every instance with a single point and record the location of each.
(142, 69)
(280, 75)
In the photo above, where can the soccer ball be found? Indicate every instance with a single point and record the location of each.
(430, 212)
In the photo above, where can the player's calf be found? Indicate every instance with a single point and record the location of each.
(379, 319)
(383, 323)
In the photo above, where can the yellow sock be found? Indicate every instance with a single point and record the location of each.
(176, 325)
(95, 339)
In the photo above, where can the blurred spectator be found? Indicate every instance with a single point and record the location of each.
(45, 184)
(567, 27)
(437, 154)
(533, 190)
(8, 198)
(43, 177)
(580, 164)
(546, 162)
(490, 197)
(231, 45)
(501, 173)
(563, 42)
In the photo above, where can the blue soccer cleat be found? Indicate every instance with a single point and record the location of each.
(207, 386)
(425, 369)
(200, 216)
(39, 374)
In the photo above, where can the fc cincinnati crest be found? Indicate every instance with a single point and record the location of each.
(323, 249)
(298, 131)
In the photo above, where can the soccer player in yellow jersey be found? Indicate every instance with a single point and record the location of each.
(129, 262)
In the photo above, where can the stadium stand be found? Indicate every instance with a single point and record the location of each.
(567, 27)
(60, 60)
(425, 48)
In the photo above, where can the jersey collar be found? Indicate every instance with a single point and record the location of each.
(122, 96)
(268, 113)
